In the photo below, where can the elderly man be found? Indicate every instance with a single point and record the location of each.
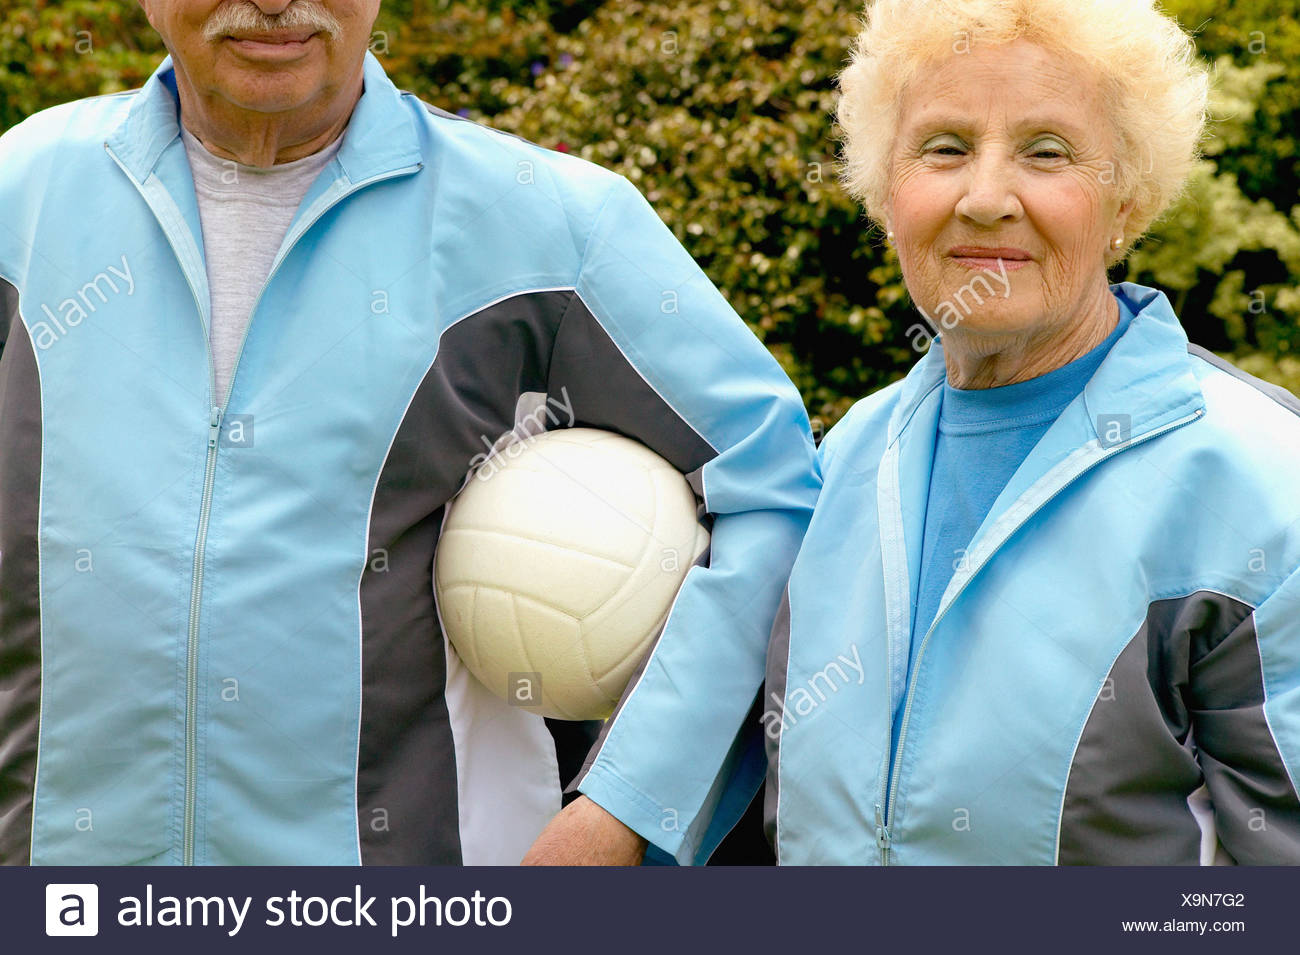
(257, 319)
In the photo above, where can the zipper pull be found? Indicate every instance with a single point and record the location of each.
(214, 429)
(882, 832)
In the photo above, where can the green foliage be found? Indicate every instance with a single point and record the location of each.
(1229, 252)
(720, 111)
(1260, 34)
(55, 52)
(467, 55)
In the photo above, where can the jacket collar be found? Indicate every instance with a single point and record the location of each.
(1147, 375)
(1143, 387)
(381, 136)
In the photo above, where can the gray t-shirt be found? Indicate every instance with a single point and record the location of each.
(245, 213)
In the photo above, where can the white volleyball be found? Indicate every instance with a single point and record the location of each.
(562, 557)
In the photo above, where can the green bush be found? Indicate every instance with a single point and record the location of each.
(720, 112)
(55, 52)
(1229, 253)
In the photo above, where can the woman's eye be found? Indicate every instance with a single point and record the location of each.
(1049, 151)
(945, 149)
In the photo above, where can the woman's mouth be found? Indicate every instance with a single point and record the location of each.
(990, 259)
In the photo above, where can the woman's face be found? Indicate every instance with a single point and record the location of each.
(1003, 178)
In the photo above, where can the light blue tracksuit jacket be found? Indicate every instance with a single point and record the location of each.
(218, 636)
(1113, 673)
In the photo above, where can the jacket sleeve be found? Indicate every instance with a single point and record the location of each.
(650, 349)
(1244, 698)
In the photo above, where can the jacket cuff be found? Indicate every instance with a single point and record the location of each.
(638, 812)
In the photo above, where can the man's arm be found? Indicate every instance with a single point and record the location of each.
(585, 834)
(649, 348)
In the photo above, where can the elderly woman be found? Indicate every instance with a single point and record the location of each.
(1048, 608)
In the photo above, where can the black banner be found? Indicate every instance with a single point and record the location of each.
(660, 910)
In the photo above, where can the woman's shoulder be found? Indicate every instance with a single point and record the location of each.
(1266, 389)
(1244, 410)
(1244, 452)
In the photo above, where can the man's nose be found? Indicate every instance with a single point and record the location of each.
(272, 7)
(990, 195)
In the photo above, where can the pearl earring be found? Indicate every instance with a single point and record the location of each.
(1118, 243)
(889, 236)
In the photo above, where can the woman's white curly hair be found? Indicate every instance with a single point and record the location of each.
(1154, 85)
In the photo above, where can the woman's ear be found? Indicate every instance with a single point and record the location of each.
(1122, 217)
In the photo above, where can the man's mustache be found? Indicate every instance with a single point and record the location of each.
(241, 18)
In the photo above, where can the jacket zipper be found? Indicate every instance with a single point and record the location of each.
(192, 648)
(205, 509)
(215, 416)
(889, 785)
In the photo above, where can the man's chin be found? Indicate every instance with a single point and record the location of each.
(260, 92)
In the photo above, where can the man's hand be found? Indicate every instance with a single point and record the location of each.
(585, 834)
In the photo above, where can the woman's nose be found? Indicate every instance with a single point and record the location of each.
(990, 195)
